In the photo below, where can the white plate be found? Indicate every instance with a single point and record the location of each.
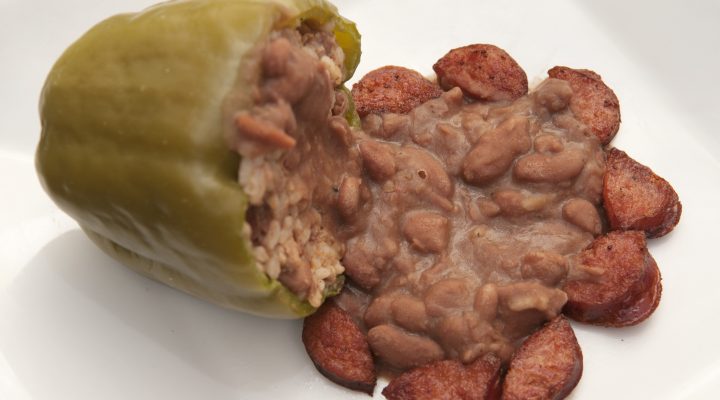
(76, 325)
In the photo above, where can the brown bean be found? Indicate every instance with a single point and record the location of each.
(338, 348)
(553, 95)
(635, 198)
(449, 380)
(393, 124)
(486, 302)
(446, 295)
(548, 143)
(379, 311)
(592, 102)
(521, 296)
(462, 335)
(510, 201)
(547, 267)
(483, 72)
(402, 350)
(392, 89)
(589, 184)
(548, 365)
(625, 288)
(348, 200)
(488, 208)
(296, 276)
(428, 169)
(555, 168)
(582, 214)
(409, 312)
(284, 68)
(263, 134)
(524, 305)
(426, 231)
(361, 264)
(378, 159)
(515, 203)
(495, 151)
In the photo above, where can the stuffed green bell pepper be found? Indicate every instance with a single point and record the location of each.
(203, 144)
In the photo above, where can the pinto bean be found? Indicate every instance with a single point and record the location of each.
(559, 167)
(592, 102)
(378, 159)
(338, 348)
(553, 95)
(523, 296)
(379, 311)
(510, 201)
(428, 169)
(446, 295)
(402, 350)
(409, 312)
(362, 265)
(525, 305)
(263, 134)
(483, 72)
(297, 277)
(582, 214)
(486, 302)
(426, 231)
(464, 336)
(626, 289)
(635, 198)
(548, 143)
(392, 89)
(348, 200)
(449, 380)
(514, 203)
(488, 208)
(547, 267)
(547, 366)
(495, 151)
(393, 124)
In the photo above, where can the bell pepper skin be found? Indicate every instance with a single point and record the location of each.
(134, 141)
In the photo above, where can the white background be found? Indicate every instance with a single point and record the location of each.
(75, 325)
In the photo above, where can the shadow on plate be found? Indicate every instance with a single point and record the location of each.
(72, 307)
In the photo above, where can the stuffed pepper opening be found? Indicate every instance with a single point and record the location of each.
(296, 155)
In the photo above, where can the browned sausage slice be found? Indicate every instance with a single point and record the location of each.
(339, 349)
(592, 102)
(546, 366)
(392, 89)
(622, 286)
(448, 380)
(483, 72)
(637, 199)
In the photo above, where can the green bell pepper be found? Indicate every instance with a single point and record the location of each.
(133, 141)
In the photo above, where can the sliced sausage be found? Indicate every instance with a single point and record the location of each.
(621, 285)
(448, 380)
(392, 89)
(547, 366)
(637, 199)
(338, 348)
(592, 102)
(483, 72)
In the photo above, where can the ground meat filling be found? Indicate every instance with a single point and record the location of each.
(295, 153)
(479, 210)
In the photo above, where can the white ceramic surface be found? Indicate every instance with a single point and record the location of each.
(76, 325)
